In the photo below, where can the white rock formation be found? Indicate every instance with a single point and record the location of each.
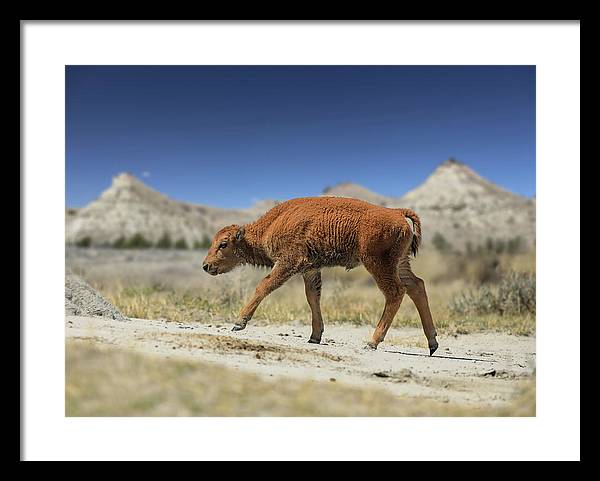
(130, 207)
(462, 206)
(454, 201)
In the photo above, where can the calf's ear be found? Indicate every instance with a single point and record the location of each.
(239, 235)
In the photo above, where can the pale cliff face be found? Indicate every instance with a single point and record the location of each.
(454, 201)
(455, 185)
(129, 206)
(349, 189)
(464, 207)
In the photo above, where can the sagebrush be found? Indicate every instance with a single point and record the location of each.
(514, 294)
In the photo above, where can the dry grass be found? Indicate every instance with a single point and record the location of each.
(105, 381)
(173, 288)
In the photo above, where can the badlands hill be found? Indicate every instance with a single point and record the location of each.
(356, 191)
(454, 201)
(130, 207)
(462, 206)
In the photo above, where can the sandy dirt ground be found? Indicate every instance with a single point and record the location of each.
(482, 369)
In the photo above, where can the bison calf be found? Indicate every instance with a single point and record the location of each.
(302, 236)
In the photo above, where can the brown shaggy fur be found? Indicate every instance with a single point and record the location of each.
(302, 236)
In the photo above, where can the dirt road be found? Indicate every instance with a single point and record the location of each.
(484, 369)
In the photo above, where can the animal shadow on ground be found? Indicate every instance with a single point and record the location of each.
(442, 357)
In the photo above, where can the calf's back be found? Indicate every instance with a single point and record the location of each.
(330, 231)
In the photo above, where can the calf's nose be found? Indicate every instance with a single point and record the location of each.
(205, 267)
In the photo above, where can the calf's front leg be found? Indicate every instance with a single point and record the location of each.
(278, 275)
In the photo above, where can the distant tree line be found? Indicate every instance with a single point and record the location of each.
(138, 241)
(491, 246)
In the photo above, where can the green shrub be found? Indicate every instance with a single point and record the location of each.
(84, 242)
(205, 243)
(119, 243)
(514, 294)
(515, 245)
(441, 244)
(165, 241)
(483, 270)
(181, 244)
(500, 246)
(491, 246)
(138, 241)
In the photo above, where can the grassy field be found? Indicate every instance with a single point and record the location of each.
(106, 381)
(460, 289)
(476, 294)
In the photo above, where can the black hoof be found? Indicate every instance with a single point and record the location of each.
(432, 350)
(314, 341)
(237, 327)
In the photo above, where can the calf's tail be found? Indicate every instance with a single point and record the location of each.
(416, 240)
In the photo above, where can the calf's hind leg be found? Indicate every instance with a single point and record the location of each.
(415, 288)
(312, 288)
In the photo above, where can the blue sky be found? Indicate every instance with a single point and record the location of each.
(227, 136)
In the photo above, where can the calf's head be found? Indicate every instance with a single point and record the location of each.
(223, 254)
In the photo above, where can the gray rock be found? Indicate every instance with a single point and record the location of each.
(82, 300)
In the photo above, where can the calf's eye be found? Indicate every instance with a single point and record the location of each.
(222, 245)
